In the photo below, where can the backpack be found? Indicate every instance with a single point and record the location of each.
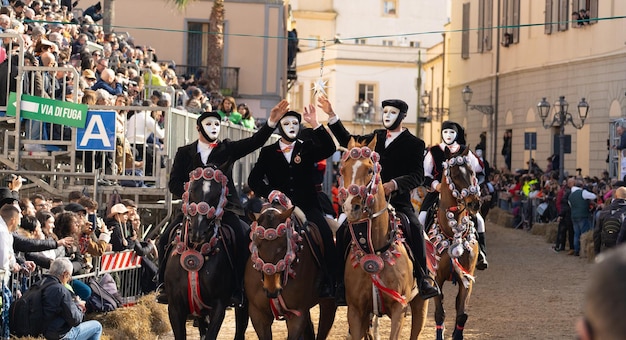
(610, 228)
(26, 313)
(101, 299)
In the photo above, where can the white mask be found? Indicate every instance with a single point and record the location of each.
(290, 126)
(211, 126)
(479, 153)
(449, 136)
(390, 114)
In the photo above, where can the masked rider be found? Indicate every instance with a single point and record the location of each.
(401, 159)
(288, 166)
(209, 149)
(453, 139)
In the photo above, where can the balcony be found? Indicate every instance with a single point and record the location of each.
(229, 85)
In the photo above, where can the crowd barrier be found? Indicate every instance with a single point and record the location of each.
(124, 265)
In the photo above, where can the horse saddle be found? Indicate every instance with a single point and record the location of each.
(311, 233)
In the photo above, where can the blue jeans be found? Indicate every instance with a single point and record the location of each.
(88, 330)
(581, 226)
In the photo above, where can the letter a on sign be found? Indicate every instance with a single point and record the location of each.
(99, 132)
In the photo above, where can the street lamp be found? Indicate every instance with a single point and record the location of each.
(561, 118)
(432, 111)
(467, 98)
(467, 94)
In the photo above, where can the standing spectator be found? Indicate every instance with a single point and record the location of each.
(247, 120)
(9, 221)
(40, 202)
(576, 22)
(578, 201)
(228, 110)
(63, 312)
(506, 148)
(94, 12)
(584, 16)
(616, 210)
(139, 128)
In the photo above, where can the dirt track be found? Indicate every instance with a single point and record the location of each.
(528, 292)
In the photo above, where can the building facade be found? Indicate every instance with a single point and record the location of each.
(513, 53)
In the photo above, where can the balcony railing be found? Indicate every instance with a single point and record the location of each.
(229, 85)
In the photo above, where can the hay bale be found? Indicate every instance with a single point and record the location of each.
(539, 229)
(586, 246)
(551, 232)
(144, 320)
(505, 219)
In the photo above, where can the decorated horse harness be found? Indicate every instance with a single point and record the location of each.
(464, 233)
(192, 255)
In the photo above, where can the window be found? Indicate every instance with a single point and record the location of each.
(365, 107)
(359, 41)
(197, 33)
(485, 30)
(465, 34)
(389, 7)
(510, 21)
(387, 42)
(415, 44)
(564, 15)
(590, 7)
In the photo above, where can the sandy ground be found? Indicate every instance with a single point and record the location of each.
(528, 292)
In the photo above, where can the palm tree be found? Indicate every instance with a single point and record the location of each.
(215, 46)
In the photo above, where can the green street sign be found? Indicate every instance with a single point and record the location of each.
(49, 110)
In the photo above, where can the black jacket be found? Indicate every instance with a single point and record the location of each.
(617, 206)
(295, 179)
(60, 313)
(402, 161)
(187, 159)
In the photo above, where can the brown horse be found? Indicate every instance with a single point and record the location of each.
(454, 236)
(199, 277)
(282, 278)
(378, 271)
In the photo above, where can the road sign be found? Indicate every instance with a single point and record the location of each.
(49, 110)
(530, 141)
(99, 132)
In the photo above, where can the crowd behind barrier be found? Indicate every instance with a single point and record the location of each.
(51, 58)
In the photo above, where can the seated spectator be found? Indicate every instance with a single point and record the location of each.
(197, 102)
(153, 78)
(108, 82)
(63, 312)
(89, 77)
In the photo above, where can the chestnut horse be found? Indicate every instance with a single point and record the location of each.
(199, 276)
(454, 237)
(378, 273)
(282, 277)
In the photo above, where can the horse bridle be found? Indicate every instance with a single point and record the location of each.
(285, 228)
(457, 242)
(368, 192)
(203, 208)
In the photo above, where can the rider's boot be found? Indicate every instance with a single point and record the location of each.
(161, 295)
(427, 289)
(342, 245)
(482, 263)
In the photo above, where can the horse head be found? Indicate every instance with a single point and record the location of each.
(361, 190)
(203, 202)
(459, 199)
(274, 243)
(460, 179)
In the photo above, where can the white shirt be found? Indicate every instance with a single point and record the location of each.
(429, 162)
(140, 126)
(288, 153)
(391, 136)
(204, 150)
(7, 256)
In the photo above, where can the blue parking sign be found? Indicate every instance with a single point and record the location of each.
(99, 132)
